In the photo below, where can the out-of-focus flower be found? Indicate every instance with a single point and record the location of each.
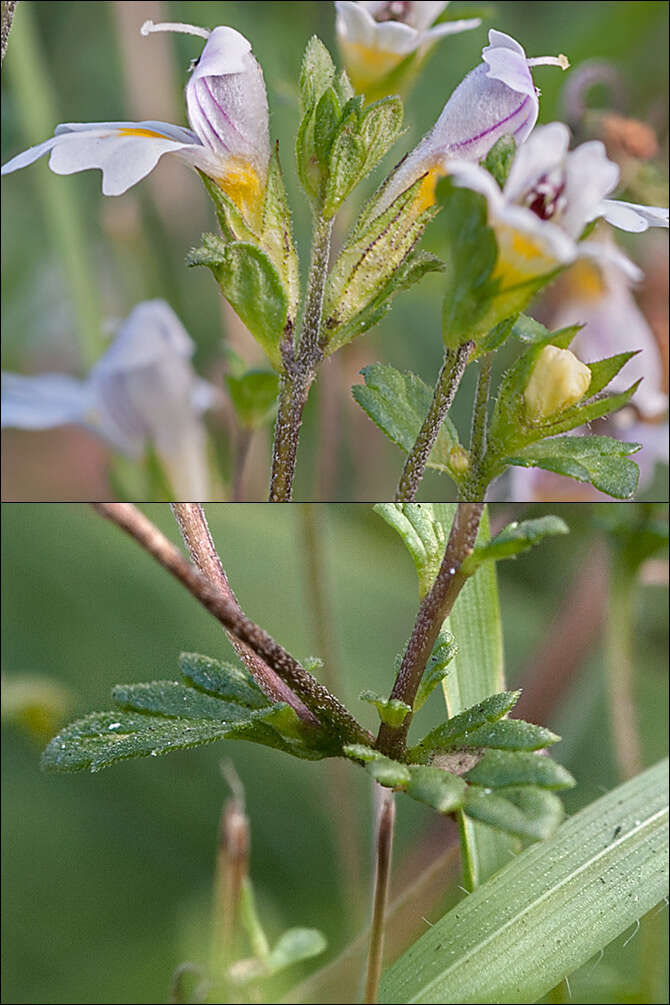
(599, 296)
(229, 139)
(496, 99)
(142, 391)
(375, 38)
(550, 195)
(558, 381)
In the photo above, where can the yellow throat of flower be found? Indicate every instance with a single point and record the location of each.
(520, 257)
(367, 65)
(585, 281)
(243, 186)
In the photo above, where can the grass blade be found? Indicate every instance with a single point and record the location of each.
(551, 909)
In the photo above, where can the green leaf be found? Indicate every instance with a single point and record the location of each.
(471, 252)
(605, 370)
(455, 732)
(104, 738)
(529, 330)
(599, 460)
(436, 670)
(380, 127)
(391, 710)
(514, 539)
(254, 397)
(223, 680)
(346, 167)
(526, 812)
(553, 908)
(359, 752)
(508, 734)
(316, 74)
(498, 161)
(166, 697)
(392, 774)
(252, 286)
(295, 945)
(398, 404)
(423, 537)
(502, 768)
(437, 788)
(345, 91)
(326, 121)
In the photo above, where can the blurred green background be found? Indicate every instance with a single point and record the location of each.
(72, 259)
(107, 878)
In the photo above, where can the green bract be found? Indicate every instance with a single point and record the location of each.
(339, 140)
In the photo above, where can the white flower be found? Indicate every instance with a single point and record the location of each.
(550, 195)
(142, 391)
(497, 98)
(599, 297)
(374, 38)
(229, 140)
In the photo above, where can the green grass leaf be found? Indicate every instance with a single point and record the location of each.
(548, 911)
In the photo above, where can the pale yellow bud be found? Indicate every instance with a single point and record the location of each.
(558, 381)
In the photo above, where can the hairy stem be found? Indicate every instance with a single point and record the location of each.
(293, 392)
(200, 546)
(385, 824)
(435, 608)
(451, 374)
(8, 8)
(301, 366)
(619, 647)
(325, 706)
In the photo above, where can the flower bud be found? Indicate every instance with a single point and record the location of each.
(459, 460)
(558, 381)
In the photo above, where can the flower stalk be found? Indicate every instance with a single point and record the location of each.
(451, 374)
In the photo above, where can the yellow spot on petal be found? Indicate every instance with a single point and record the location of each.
(142, 132)
(558, 381)
(243, 186)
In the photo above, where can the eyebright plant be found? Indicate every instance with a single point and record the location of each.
(509, 204)
(488, 770)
